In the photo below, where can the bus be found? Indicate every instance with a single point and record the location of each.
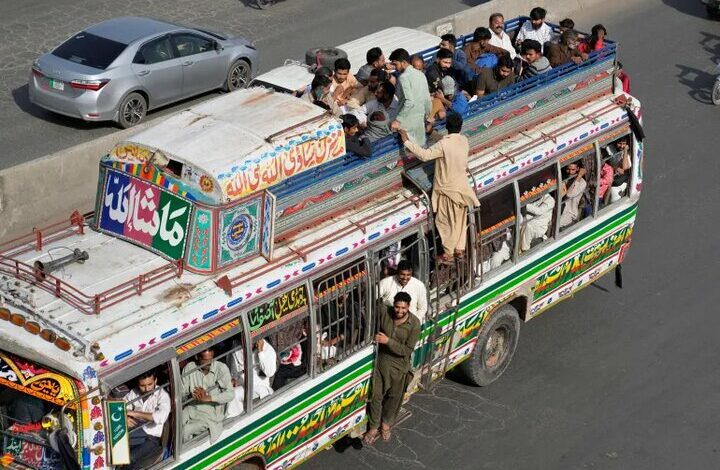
(217, 308)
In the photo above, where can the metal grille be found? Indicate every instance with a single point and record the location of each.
(342, 314)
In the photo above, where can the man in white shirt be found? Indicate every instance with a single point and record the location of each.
(404, 281)
(264, 367)
(536, 28)
(148, 408)
(572, 191)
(499, 36)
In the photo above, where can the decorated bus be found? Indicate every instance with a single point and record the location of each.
(234, 258)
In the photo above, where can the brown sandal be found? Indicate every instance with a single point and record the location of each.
(370, 436)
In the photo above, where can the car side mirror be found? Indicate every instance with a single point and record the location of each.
(217, 46)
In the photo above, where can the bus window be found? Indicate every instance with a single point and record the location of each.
(31, 411)
(577, 190)
(538, 196)
(290, 343)
(497, 229)
(341, 312)
(150, 416)
(615, 171)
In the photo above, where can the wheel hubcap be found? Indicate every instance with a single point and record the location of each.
(496, 347)
(134, 111)
(716, 93)
(238, 77)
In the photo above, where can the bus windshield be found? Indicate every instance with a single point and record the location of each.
(31, 414)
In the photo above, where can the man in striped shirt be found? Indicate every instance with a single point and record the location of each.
(535, 62)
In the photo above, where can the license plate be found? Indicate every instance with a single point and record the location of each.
(56, 84)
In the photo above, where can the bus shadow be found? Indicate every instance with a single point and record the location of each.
(692, 8)
(699, 81)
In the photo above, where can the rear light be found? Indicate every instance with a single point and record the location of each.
(36, 71)
(93, 85)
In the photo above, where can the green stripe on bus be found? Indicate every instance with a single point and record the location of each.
(279, 415)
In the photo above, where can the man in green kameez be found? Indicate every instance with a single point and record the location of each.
(413, 97)
(398, 333)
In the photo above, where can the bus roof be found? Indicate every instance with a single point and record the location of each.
(231, 134)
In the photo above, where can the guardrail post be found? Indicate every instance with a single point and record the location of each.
(38, 239)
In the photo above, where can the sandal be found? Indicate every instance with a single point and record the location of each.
(385, 433)
(445, 259)
(370, 437)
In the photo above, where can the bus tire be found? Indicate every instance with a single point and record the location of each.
(495, 347)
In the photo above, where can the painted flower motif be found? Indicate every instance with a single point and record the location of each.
(99, 463)
(206, 183)
(203, 219)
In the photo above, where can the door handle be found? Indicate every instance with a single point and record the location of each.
(187, 63)
(143, 72)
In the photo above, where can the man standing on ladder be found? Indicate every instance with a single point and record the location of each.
(397, 334)
(451, 194)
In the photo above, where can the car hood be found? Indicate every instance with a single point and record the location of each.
(66, 70)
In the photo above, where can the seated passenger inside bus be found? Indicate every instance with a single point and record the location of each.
(571, 191)
(537, 198)
(291, 344)
(615, 170)
(264, 368)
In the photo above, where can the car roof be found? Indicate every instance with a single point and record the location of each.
(128, 29)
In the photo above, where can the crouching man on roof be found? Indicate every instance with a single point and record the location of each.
(398, 333)
(451, 194)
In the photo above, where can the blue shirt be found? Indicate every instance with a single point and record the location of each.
(459, 103)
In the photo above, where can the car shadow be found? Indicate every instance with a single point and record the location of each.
(700, 82)
(253, 4)
(22, 100)
(688, 7)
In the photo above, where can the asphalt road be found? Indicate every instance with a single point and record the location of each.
(613, 379)
(31, 28)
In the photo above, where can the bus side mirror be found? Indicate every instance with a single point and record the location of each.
(118, 438)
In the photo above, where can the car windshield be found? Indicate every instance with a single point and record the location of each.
(90, 50)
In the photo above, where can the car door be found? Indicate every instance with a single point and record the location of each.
(159, 70)
(204, 68)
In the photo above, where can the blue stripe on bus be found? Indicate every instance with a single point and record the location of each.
(374, 236)
(234, 302)
(342, 251)
(123, 355)
(273, 284)
(168, 333)
(308, 267)
(210, 314)
(405, 221)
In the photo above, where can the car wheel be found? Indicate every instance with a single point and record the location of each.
(238, 76)
(495, 347)
(132, 110)
(716, 93)
(263, 4)
(713, 12)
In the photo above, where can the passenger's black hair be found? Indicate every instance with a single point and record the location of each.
(453, 123)
(402, 297)
(481, 33)
(400, 55)
(373, 54)
(342, 64)
(538, 13)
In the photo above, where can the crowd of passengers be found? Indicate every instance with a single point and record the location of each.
(405, 92)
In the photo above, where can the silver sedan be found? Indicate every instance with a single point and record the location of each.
(119, 69)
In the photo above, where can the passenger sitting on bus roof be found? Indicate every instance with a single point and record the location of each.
(385, 100)
(355, 141)
(321, 71)
(595, 41)
(375, 61)
(451, 193)
(418, 63)
(344, 83)
(413, 97)
(264, 368)
(495, 79)
(378, 126)
(571, 192)
(480, 53)
(367, 93)
(564, 51)
(399, 331)
(450, 97)
(404, 281)
(442, 67)
(320, 95)
(499, 38)
(535, 29)
(209, 384)
(148, 409)
(535, 62)
(460, 68)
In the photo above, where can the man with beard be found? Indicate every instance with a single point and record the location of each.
(536, 28)
(367, 93)
(398, 333)
(491, 80)
(565, 51)
(413, 96)
(439, 69)
(571, 191)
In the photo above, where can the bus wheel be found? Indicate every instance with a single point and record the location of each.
(496, 344)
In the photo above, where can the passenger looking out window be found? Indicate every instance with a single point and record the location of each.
(572, 190)
(206, 388)
(148, 410)
(404, 281)
(451, 193)
(615, 171)
(264, 368)
(398, 332)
